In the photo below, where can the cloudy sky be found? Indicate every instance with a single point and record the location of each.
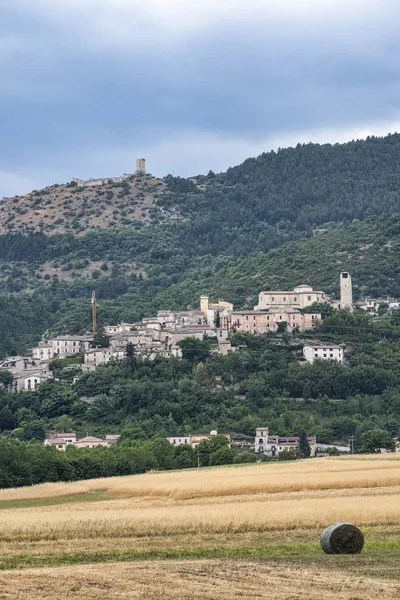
(86, 86)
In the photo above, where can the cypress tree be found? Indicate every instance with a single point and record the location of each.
(304, 446)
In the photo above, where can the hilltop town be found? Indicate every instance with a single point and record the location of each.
(159, 336)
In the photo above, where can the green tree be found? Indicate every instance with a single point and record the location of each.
(376, 439)
(6, 378)
(100, 339)
(290, 454)
(194, 350)
(304, 446)
(185, 457)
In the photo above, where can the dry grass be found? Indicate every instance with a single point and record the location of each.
(194, 580)
(253, 530)
(260, 498)
(126, 519)
(321, 474)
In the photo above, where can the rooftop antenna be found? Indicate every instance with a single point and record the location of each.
(94, 313)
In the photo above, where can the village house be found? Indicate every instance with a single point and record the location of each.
(193, 439)
(97, 356)
(323, 352)
(273, 445)
(121, 328)
(301, 297)
(29, 380)
(43, 352)
(27, 373)
(69, 345)
(61, 441)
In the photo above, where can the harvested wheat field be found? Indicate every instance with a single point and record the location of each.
(229, 532)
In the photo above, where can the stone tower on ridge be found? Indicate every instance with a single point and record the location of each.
(140, 165)
(346, 291)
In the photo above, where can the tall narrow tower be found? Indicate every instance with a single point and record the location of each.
(346, 291)
(140, 165)
(94, 313)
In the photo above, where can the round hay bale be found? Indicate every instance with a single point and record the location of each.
(342, 538)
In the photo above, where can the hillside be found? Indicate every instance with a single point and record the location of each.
(144, 244)
(369, 250)
(76, 209)
(168, 280)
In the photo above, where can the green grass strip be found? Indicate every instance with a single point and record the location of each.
(96, 496)
(383, 556)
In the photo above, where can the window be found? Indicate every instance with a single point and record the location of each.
(280, 317)
(261, 441)
(247, 318)
(174, 441)
(284, 298)
(295, 299)
(254, 318)
(309, 298)
(273, 299)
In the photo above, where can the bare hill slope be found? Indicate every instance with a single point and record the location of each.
(77, 209)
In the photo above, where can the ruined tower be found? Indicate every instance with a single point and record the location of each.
(346, 291)
(140, 165)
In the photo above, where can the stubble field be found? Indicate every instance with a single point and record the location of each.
(231, 532)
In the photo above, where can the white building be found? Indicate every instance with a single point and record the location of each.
(273, 445)
(325, 352)
(43, 352)
(29, 380)
(180, 440)
(61, 440)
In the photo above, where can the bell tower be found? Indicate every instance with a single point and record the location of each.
(346, 291)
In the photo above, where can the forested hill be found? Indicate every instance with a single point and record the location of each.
(300, 187)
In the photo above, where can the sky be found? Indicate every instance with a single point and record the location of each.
(88, 86)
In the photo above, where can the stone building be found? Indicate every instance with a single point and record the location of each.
(301, 297)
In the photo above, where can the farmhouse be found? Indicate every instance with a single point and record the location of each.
(326, 352)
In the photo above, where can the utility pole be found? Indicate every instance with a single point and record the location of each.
(198, 458)
(352, 439)
(94, 313)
